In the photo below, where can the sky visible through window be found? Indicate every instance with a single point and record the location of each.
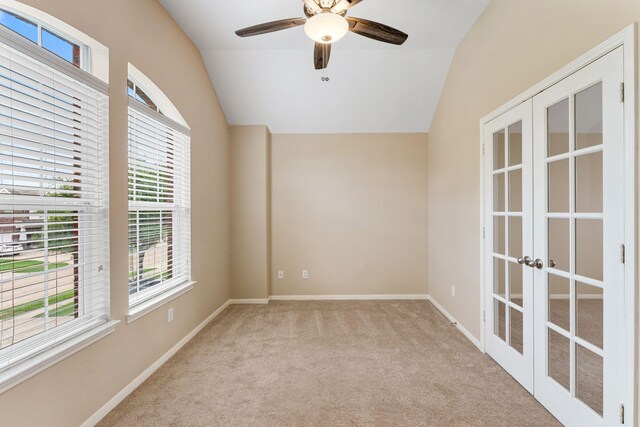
(25, 28)
(61, 47)
(66, 50)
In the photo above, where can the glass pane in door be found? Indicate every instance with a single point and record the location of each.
(498, 192)
(574, 265)
(499, 282)
(515, 284)
(500, 320)
(508, 235)
(515, 191)
(515, 236)
(559, 359)
(589, 313)
(589, 117)
(516, 338)
(558, 230)
(515, 144)
(558, 128)
(589, 183)
(589, 378)
(588, 244)
(559, 299)
(559, 186)
(498, 235)
(498, 150)
(514, 241)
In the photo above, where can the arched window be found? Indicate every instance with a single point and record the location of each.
(136, 92)
(159, 195)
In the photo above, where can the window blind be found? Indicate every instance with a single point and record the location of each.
(159, 203)
(53, 201)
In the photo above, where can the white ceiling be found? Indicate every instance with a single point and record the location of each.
(374, 87)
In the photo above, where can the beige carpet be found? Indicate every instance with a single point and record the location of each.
(373, 363)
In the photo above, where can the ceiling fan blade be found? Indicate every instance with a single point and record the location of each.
(376, 31)
(270, 27)
(311, 4)
(321, 55)
(343, 5)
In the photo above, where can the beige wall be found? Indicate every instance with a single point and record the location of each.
(351, 209)
(140, 32)
(540, 37)
(250, 264)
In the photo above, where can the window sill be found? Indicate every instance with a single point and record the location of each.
(30, 367)
(146, 307)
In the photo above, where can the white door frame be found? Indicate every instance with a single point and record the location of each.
(627, 39)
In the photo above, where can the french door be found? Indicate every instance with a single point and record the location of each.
(555, 316)
(509, 222)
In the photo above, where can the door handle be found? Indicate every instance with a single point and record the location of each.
(524, 261)
(536, 264)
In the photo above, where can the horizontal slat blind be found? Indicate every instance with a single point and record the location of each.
(53, 203)
(159, 204)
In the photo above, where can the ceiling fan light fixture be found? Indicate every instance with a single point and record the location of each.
(326, 27)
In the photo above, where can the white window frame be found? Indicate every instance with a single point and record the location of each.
(85, 51)
(78, 333)
(149, 299)
(94, 55)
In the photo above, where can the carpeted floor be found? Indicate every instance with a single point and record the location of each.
(369, 363)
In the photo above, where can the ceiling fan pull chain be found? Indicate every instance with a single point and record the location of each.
(325, 78)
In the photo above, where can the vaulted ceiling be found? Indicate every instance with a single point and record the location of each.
(373, 88)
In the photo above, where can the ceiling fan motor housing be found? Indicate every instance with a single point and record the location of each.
(327, 4)
(326, 27)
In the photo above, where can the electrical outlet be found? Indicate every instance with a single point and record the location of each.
(305, 274)
(453, 291)
(170, 315)
(280, 274)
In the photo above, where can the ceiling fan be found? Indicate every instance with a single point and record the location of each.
(326, 23)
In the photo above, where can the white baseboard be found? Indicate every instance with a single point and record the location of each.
(122, 394)
(462, 329)
(348, 297)
(249, 301)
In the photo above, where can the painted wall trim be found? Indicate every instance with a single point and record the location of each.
(475, 341)
(122, 394)
(252, 301)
